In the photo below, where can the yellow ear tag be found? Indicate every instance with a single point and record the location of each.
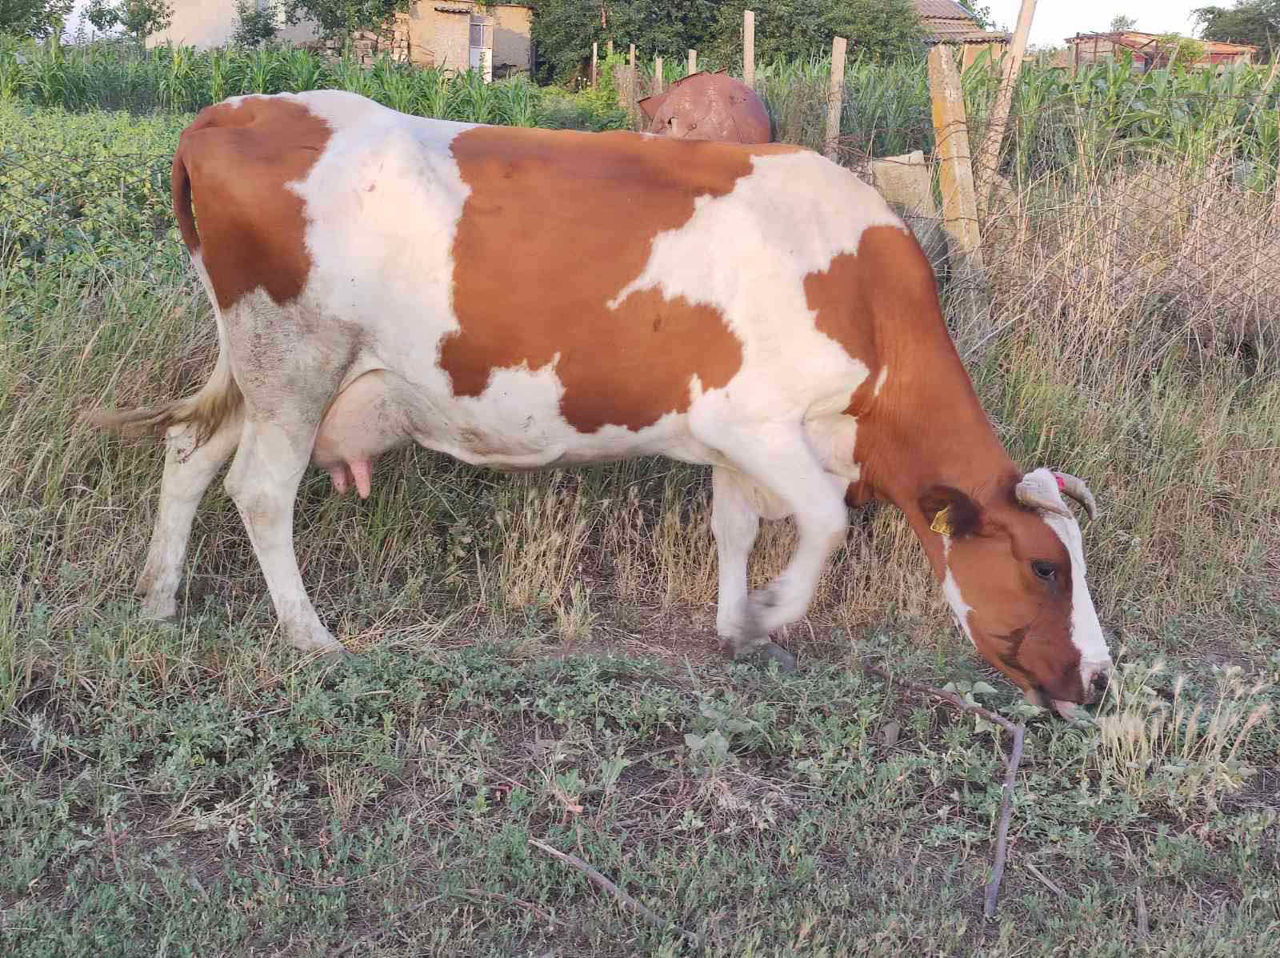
(942, 523)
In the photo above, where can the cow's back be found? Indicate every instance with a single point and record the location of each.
(540, 289)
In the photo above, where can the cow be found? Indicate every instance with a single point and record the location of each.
(524, 298)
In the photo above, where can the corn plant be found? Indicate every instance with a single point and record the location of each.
(394, 85)
(518, 102)
(261, 71)
(303, 70)
(472, 99)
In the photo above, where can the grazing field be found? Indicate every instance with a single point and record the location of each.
(538, 653)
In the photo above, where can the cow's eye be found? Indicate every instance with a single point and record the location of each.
(1046, 571)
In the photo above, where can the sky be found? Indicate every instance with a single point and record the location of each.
(1056, 20)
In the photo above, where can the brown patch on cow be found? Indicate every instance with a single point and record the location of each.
(864, 298)
(234, 163)
(556, 225)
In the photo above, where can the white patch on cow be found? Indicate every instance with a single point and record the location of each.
(1086, 630)
(951, 591)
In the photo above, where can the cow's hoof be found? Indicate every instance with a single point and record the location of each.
(769, 652)
(160, 608)
(315, 640)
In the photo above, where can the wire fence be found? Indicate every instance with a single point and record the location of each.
(1189, 229)
(59, 208)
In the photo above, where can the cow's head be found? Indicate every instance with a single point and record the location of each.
(1012, 568)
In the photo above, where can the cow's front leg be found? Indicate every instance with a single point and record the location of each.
(263, 482)
(735, 524)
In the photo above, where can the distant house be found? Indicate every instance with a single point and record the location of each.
(1149, 53)
(945, 21)
(451, 34)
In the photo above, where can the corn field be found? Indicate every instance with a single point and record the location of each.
(112, 76)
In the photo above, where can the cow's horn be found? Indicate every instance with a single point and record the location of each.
(1029, 493)
(1074, 487)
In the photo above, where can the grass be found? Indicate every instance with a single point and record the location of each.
(539, 657)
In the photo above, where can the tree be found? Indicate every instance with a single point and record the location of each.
(563, 30)
(33, 18)
(981, 14)
(341, 18)
(1181, 51)
(138, 18)
(255, 24)
(1122, 24)
(1249, 21)
(883, 29)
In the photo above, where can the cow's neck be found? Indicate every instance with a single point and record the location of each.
(927, 428)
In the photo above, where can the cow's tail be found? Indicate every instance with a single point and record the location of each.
(220, 398)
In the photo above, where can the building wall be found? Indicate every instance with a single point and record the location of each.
(211, 23)
(512, 41)
(439, 36)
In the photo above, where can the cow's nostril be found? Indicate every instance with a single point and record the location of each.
(1099, 684)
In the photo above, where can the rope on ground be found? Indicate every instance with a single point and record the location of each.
(1018, 733)
(605, 885)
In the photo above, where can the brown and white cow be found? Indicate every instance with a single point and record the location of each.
(525, 298)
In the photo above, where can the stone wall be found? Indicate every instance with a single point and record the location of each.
(368, 45)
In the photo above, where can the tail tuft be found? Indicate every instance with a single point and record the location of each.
(205, 410)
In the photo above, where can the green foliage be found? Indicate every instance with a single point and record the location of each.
(33, 18)
(799, 29)
(565, 29)
(255, 24)
(137, 18)
(108, 76)
(1180, 50)
(980, 12)
(341, 18)
(1121, 23)
(1250, 21)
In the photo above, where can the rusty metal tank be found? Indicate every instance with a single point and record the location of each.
(709, 106)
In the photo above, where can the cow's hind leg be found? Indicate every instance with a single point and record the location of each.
(289, 365)
(778, 458)
(188, 470)
(263, 481)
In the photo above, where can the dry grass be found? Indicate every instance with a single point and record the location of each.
(1185, 748)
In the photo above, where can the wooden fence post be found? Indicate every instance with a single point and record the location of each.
(959, 195)
(1275, 211)
(608, 48)
(951, 130)
(633, 84)
(657, 75)
(989, 154)
(595, 57)
(835, 97)
(749, 48)
(692, 68)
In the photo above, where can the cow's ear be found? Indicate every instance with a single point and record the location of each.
(950, 512)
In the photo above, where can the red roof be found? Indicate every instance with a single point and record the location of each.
(945, 21)
(1134, 40)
